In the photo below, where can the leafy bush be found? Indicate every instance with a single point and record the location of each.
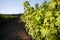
(43, 23)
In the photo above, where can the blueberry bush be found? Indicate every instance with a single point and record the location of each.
(43, 22)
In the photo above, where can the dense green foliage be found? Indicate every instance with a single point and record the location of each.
(43, 22)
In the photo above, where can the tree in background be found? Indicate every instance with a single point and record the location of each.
(43, 23)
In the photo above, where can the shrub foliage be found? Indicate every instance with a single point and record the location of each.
(43, 22)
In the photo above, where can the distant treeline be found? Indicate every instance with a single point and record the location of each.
(4, 18)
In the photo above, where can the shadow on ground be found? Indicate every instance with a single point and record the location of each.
(14, 30)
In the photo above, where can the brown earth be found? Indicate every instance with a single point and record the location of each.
(14, 30)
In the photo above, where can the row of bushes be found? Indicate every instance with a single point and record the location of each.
(5, 18)
(43, 22)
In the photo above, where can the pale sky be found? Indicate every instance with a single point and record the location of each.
(15, 6)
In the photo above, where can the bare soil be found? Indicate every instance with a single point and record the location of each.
(14, 30)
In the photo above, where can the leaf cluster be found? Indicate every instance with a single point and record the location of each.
(43, 22)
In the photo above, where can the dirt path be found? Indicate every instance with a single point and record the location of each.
(14, 30)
